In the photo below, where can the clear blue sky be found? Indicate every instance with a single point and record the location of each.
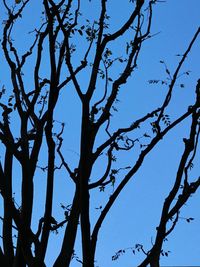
(134, 217)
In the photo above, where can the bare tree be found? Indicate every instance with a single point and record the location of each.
(31, 106)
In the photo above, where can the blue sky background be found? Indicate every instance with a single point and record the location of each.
(135, 215)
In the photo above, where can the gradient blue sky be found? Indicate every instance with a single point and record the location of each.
(135, 215)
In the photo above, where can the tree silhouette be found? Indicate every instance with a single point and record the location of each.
(65, 48)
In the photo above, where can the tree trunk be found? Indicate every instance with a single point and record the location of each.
(67, 249)
(7, 222)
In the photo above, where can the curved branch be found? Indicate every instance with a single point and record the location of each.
(120, 131)
(103, 178)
